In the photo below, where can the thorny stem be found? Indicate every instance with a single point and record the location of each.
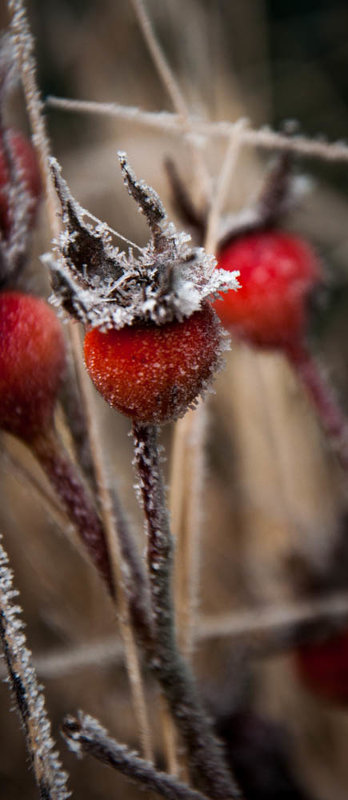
(68, 486)
(49, 776)
(204, 754)
(323, 397)
(85, 735)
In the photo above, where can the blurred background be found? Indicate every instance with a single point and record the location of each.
(275, 522)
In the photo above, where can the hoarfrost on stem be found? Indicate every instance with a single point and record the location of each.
(50, 778)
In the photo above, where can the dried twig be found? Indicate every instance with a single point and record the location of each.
(201, 179)
(49, 776)
(204, 754)
(163, 69)
(85, 735)
(269, 624)
(221, 190)
(171, 123)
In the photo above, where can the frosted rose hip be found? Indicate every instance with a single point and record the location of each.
(277, 272)
(32, 358)
(152, 373)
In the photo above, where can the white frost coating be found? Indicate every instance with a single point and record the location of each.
(22, 677)
(104, 287)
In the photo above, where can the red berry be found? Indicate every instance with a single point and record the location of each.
(26, 164)
(32, 357)
(277, 272)
(323, 667)
(153, 373)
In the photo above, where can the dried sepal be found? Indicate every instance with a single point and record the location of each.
(279, 194)
(104, 287)
(148, 201)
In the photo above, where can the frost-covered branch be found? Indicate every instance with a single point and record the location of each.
(172, 123)
(204, 754)
(85, 735)
(49, 776)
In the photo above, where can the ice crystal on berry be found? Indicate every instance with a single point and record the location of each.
(105, 288)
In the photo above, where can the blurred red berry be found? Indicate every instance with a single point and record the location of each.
(32, 358)
(26, 167)
(323, 667)
(277, 272)
(152, 373)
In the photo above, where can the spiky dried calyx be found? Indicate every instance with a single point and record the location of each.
(106, 288)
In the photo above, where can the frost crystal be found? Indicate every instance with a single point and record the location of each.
(105, 287)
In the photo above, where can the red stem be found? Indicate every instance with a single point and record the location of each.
(323, 397)
(64, 477)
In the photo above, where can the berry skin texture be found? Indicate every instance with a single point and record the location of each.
(277, 272)
(153, 373)
(32, 359)
(323, 667)
(26, 163)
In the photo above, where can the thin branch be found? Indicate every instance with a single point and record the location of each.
(167, 76)
(61, 661)
(267, 624)
(49, 776)
(164, 71)
(205, 757)
(322, 395)
(187, 470)
(273, 619)
(171, 123)
(222, 186)
(85, 735)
